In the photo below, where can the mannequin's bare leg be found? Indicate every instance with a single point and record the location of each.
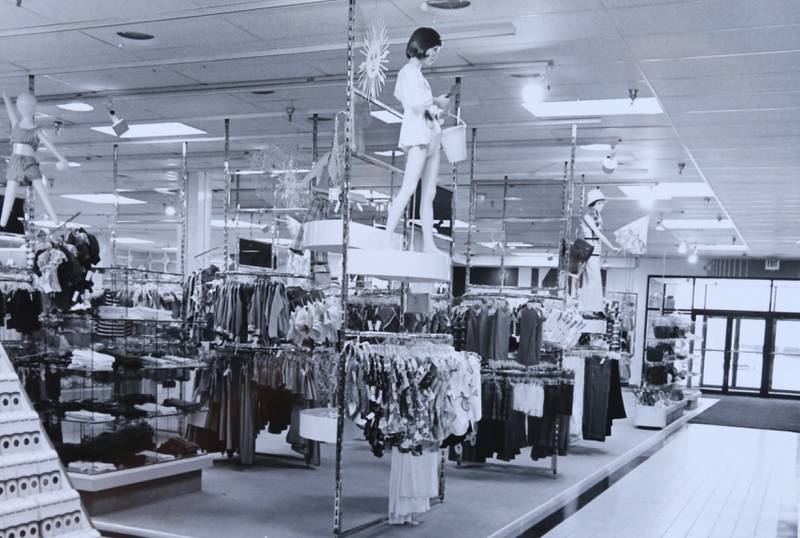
(44, 196)
(8, 203)
(415, 162)
(430, 178)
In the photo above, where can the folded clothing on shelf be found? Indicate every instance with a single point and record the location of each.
(88, 416)
(177, 446)
(90, 360)
(91, 467)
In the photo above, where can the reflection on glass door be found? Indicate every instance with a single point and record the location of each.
(747, 353)
(786, 357)
(713, 351)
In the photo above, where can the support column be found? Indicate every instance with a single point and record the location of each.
(198, 221)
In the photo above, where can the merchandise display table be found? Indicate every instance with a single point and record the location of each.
(650, 416)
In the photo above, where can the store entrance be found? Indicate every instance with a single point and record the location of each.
(751, 354)
(733, 354)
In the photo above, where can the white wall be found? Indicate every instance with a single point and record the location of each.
(635, 280)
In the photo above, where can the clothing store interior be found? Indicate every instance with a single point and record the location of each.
(305, 268)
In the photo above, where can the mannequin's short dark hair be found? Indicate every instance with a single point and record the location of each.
(421, 40)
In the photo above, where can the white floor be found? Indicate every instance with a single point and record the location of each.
(709, 481)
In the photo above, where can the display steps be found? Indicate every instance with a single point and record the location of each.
(365, 258)
(279, 498)
(36, 499)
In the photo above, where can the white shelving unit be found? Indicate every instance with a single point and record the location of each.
(36, 498)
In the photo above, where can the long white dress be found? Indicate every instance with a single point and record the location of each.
(413, 481)
(590, 290)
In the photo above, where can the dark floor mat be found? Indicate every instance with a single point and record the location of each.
(753, 412)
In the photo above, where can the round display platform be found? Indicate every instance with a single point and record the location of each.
(399, 265)
(326, 235)
(319, 424)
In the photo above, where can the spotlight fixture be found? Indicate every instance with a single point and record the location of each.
(647, 199)
(693, 256)
(683, 248)
(58, 125)
(681, 166)
(610, 162)
(660, 226)
(118, 125)
(169, 210)
(534, 91)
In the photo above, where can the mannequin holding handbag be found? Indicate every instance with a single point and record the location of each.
(590, 286)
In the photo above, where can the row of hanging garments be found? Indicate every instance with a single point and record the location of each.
(483, 326)
(598, 395)
(521, 407)
(413, 396)
(245, 391)
(383, 313)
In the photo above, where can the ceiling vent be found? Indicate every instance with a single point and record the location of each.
(445, 4)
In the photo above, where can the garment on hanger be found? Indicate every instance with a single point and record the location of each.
(530, 335)
(603, 401)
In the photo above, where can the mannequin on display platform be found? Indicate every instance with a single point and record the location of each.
(420, 133)
(23, 166)
(590, 288)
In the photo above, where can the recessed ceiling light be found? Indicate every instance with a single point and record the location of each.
(105, 198)
(135, 36)
(597, 147)
(170, 249)
(76, 106)
(697, 224)
(692, 257)
(447, 5)
(513, 199)
(73, 164)
(594, 107)
(133, 241)
(386, 117)
(153, 130)
(388, 153)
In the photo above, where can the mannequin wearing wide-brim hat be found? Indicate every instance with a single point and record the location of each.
(590, 287)
(23, 167)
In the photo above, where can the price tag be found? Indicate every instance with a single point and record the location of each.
(418, 303)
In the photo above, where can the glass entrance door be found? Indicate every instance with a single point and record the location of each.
(747, 353)
(733, 352)
(786, 356)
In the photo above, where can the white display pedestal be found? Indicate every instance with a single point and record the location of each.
(326, 236)
(319, 424)
(399, 265)
(650, 416)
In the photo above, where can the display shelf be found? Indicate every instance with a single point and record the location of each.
(126, 477)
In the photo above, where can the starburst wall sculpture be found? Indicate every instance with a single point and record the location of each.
(375, 49)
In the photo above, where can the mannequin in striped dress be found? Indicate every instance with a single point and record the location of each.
(590, 289)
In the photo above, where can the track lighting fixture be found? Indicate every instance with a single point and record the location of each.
(660, 226)
(693, 256)
(118, 125)
(683, 248)
(610, 162)
(681, 166)
(535, 91)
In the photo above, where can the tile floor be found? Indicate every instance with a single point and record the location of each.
(709, 481)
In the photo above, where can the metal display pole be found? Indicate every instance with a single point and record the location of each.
(454, 201)
(504, 246)
(342, 367)
(568, 201)
(471, 215)
(227, 201)
(184, 208)
(115, 214)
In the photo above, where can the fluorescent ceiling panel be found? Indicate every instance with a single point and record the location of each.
(722, 248)
(386, 117)
(153, 130)
(697, 224)
(668, 191)
(76, 106)
(53, 224)
(595, 107)
(220, 223)
(106, 198)
(132, 241)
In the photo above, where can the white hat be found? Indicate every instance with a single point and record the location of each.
(595, 195)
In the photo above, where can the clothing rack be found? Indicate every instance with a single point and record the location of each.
(349, 153)
(264, 276)
(428, 337)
